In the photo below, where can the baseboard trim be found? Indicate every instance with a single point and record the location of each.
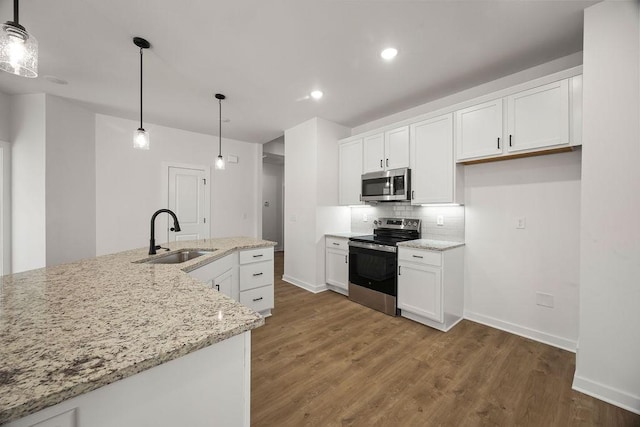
(522, 331)
(607, 394)
(304, 285)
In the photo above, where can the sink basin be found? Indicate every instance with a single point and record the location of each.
(179, 257)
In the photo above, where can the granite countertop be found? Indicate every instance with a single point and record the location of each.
(432, 245)
(69, 329)
(345, 235)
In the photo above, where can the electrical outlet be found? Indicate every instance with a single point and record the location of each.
(365, 217)
(544, 300)
(521, 222)
(440, 220)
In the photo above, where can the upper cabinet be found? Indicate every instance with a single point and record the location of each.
(479, 130)
(538, 117)
(541, 119)
(350, 172)
(435, 177)
(386, 150)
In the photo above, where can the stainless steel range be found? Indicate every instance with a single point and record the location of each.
(373, 263)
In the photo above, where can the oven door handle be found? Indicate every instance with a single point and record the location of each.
(372, 246)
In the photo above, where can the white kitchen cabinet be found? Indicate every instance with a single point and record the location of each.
(435, 177)
(386, 150)
(256, 280)
(337, 264)
(221, 275)
(544, 118)
(350, 172)
(224, 283)
(431, 286)
(479, 130)
(538, 118)
(373, 153)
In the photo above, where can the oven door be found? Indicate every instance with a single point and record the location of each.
(374, 269)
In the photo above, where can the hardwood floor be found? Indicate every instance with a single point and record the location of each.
(322, 360)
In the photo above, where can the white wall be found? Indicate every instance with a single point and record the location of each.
(70, 182)
(272, 192)
(28, 209)
(5, 117)
(311, 196)
(129, 182)
(505, 267)
(609, 346)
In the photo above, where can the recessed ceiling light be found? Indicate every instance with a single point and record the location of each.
(389, 53)
(316, 94)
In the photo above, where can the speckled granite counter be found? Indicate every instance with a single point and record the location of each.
(432, 245)
(69, 329)
(345, 235)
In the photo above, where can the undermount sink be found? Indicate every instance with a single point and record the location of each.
(179, 257)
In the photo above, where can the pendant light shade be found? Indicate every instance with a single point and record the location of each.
(18, 48)
(220, 159)
(141, 136)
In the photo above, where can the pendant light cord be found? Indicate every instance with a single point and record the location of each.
(220, 127)
(15, 11)
(140, 88)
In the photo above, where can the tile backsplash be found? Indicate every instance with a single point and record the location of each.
(453, 216)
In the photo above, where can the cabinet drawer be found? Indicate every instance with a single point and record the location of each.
(258, 299)
(420, 256)
(337, 243)
(256, 274)
(256, 255)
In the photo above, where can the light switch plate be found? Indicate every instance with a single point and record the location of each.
(521, 222)
(440, 220)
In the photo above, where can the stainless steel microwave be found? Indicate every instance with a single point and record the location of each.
(386, 186)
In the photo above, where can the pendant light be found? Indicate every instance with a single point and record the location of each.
(220, 159)
(141, 136)
(18, 48)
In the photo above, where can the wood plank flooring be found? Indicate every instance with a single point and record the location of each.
(322, 360)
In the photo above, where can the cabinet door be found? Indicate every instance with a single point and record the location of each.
(538, 117)
(420, 290)
(337, 268)
(350, 173)
(224, 283)
(479, 130)
(432, 162)
(396, 145)
(373, 153)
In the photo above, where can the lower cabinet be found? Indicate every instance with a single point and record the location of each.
(220, 274)
(246, 276)
(337, 264)
(256, 279)
(431, 286)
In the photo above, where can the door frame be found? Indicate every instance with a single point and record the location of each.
(165, 192)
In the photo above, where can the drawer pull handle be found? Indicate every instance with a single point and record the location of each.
(257, 274)
(257, 299)
(258, 256)
(399, 270)
(417, 256)
(346, 259)
(337, 244)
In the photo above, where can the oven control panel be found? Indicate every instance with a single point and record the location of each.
(398, 223)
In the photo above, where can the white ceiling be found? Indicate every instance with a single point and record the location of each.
(266, 55)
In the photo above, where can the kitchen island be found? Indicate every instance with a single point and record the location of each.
(115, 341)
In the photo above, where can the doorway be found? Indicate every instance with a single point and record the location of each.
(273, 199)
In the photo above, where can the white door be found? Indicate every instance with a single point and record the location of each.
(373, 153)
(396, 147)
(188, 198)
(420, 290)
(337, 268)
(479, 130)
(223, 283)
(538, 117)
(432, 163)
